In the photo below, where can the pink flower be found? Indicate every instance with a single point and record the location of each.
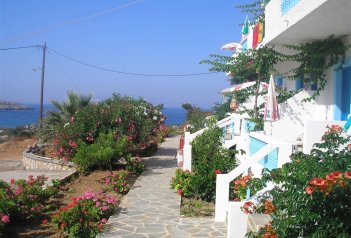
(347, 174)
(72, 144)
(103, 220)
(72, 120)
(5, 219)
(105, 208)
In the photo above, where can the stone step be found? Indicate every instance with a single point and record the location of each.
(257, 221)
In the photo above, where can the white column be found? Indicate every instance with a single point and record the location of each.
(237, 221)
(222, 197)
(187, 152)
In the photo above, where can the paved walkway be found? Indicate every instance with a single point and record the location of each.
(151, 209)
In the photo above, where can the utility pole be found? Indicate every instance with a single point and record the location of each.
(42, 91)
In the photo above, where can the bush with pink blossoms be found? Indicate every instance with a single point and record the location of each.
(118, 182)
(85, 216)
(23, 199)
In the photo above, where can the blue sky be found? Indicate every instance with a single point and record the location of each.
(151, 37)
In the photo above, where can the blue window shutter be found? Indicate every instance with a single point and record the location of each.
(279, 82)
(299, 84)
(314, 86)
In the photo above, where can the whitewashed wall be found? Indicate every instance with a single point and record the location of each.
(276, 23)
(314, 130)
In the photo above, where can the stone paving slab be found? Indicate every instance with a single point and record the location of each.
(152, 210)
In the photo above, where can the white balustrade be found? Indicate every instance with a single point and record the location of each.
(223, 181)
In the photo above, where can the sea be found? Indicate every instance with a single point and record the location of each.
(15, 118)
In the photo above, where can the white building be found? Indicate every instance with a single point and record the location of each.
(302, 124)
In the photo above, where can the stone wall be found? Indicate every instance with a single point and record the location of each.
(35, 162)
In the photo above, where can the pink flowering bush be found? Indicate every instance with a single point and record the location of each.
(135, 165)
(85, 216)
(122, 118)
(118, 182)
(23, 199)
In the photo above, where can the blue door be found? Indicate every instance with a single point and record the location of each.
(345, 93)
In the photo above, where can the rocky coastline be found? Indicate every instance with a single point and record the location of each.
(13, 106)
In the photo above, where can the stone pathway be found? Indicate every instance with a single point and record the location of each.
(151, 209)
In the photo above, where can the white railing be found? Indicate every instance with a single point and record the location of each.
(237, 219)
(224, 123)
(223, 181)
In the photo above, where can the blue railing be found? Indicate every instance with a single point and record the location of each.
(286, 5)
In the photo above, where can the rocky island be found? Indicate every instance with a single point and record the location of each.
(13, 106)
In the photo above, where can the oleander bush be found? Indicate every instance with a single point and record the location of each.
(135, 123)
(312, 196)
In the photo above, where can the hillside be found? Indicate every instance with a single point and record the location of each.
(13, 106)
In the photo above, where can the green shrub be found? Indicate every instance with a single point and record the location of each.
(118, 182)
(135, 165)
(182, 183)
(313, 197)
(101, 154)
(209, 158)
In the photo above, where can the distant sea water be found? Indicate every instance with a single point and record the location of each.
(14, 118)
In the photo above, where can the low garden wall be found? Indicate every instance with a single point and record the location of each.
(35, 162)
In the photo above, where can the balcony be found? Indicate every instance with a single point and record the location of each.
(297, 21)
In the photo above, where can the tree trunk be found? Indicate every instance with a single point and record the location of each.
(256, 96)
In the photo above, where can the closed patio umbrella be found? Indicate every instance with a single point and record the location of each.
(271, 112)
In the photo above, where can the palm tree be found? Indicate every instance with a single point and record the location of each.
(65, 110)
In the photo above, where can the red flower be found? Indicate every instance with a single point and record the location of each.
(62, 225)
(309, 190)
(347, 174)
(180, 192)
(317, 181)
(330, 176)
(337, 174)
(217, 171)
(100, 226)
(12, 181)
(45, 221)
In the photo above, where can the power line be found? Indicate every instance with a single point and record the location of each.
(22, 47)
(50, 28)
(63, 70)
(129, 73)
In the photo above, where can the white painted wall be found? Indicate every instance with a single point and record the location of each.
(276, 23)
(313, 132)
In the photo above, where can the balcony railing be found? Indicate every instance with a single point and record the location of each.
(286, 5)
